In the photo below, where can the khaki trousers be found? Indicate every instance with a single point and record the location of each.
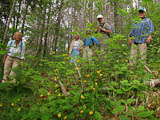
(87, 53)
(9, 64)
(142, 48)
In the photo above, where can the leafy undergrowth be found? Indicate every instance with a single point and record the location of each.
(107, 88)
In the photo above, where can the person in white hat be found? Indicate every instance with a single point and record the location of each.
(105, 29)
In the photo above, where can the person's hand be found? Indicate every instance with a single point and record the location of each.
(4, 61)
(100, 28)
(79, 49)
(148, 40)
(97, 30)
(130, 41)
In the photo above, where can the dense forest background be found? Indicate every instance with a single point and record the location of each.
(106, 89)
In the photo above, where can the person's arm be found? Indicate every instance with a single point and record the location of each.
(97, 30)
(70, 48)
(104, 30)
(149, 39)
(4, 58)
(130, 41)
(23, 51)
(95, 40)
(81, 45)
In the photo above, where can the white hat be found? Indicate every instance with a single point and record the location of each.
(99, 16)
(142, 9)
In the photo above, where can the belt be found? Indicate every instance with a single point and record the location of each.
(14, 57)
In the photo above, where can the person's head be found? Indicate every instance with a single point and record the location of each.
(142, 12)
(76, 37)
(17, 36)
(100, 18)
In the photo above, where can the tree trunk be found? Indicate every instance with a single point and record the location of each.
(116, 17)
(57, 29)
(24, 17)
(19, 10)
(39, 50)
(46, 34)
(9, 20)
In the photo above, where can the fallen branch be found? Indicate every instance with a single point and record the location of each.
(149, 70)
(64, 91)
(153, 82)
(79, 74)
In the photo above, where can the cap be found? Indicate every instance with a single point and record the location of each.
(142, 10)
(99, 16)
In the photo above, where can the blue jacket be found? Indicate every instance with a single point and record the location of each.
(89, 41)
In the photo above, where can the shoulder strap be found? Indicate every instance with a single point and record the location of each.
(102, 24)
(11, 43)
(21, 44)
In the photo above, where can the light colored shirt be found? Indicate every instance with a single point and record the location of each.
(105, 26)
(72, 43)
(16, 51)
(76, 44)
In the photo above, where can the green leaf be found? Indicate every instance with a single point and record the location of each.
(129, 101)
(97, 116)
(37, 77)
(124, 118)
(145, 114)
(147, 0)
(118, 109)
(2, 52)
(89, 25)
(140, 108)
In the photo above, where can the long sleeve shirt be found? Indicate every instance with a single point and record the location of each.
(141, 30)
(90, 41)
(16, 51)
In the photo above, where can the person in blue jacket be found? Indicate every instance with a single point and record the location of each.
(89, 43)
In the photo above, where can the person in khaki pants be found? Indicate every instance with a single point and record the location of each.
(105, 29)
(14, 56)
(140, 36)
